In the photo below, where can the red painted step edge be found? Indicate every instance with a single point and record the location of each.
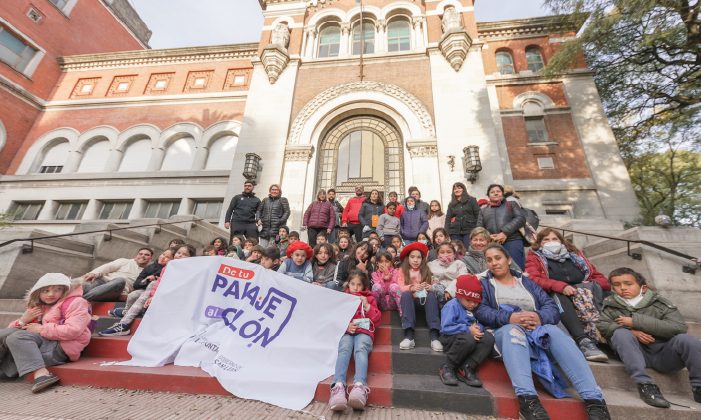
(89, 372)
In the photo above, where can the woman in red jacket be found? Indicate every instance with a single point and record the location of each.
(561, 269)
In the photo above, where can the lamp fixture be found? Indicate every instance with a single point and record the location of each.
(251, 166)
(471, 162)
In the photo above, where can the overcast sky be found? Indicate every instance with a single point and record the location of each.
(186, 23)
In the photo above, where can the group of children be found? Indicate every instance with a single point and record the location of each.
(642, 327)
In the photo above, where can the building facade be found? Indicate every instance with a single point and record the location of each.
(389, 95)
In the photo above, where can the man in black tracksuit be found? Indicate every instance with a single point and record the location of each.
(241, 214)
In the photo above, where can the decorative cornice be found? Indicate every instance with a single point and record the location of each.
(518, 28)
(422, 149)
(299, 152)
(417, 107)
(158, 57)
(454, 46)
(275, 59)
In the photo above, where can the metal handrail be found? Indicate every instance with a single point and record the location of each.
(636, 256)
(89, 232)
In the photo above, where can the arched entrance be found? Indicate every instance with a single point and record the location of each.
(363, 150)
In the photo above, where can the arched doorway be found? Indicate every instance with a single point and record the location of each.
(364, 150)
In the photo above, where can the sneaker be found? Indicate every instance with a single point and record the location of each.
(697, 393)
(116, 330)
(651, 394)
(469, 377)
(43, 382)
(529, 408)
(338, 401)
(447, 375)
(116, 312)
(407, 344)
(358, 396)
(597, 410)
(591, 351)
(436, 345)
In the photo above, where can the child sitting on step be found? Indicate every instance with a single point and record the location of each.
(357, 341)
(465, 342)
(142, 301)
(385, 288)
(647, 330)
(445, 269)
(298, 263)
(53, 330)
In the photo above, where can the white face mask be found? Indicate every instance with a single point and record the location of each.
(423, 241)
(553, 247)
(634, 301)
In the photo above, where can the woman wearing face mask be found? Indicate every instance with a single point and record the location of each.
(561, 269)
(412, 222)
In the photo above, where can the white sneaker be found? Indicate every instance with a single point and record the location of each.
(436, 345)
(407, 344)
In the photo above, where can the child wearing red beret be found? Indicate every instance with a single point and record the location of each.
(464, 340)
(298, 263)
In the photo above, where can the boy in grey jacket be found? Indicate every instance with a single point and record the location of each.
(388, 225)
(647, 330)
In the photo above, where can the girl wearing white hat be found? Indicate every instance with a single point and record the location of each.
(52, 331)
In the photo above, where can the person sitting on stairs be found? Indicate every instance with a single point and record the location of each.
(113, 281)
(53, 330)
(647, 330)
(465, 342)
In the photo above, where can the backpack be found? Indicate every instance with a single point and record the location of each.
(64, 308)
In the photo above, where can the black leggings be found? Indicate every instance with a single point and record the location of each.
(569, 318)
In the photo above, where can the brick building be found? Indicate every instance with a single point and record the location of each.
(153, 133)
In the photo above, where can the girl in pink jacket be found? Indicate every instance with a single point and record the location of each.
(385, 288)
(52, 331)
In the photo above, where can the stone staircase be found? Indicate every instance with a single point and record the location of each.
(22, 263)
(397, 378)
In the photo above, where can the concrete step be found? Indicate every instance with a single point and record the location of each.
(7, 317)
(429, 393)
(626, 404)
(13, 305)
(614, 375)
(88, 371)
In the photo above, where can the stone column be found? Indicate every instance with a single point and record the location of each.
(418, 21)
(200, 159)
(381, 36)
(72, 162)
(187, 206)
(137, 209)
(157, 155)
(345, 48)
(311, 42)
(424, 163)
(91, 210)
(294, 180)
(113, 160)
(47, 212)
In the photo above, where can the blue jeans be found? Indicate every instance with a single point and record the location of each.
(513, 345)
(515, 250)
(360, 345)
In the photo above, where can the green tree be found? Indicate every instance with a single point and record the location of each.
(667, 179)
(646, 58)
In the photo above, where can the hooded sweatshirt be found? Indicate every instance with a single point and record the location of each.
(373, 314)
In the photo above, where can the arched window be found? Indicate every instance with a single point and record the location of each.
(534, 59)
(179, 155)
(398, 35)
(136, 156)
(55, 158)
(505, 63)
(221, 153)
(535, 122)
(361, 154)
(95, 157)
(367, 40)
(329, 41)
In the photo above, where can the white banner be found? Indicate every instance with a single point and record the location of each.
(263, 335)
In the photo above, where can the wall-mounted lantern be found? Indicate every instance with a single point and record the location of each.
(471, 162)
(251, 166)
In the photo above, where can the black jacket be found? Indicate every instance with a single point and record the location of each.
(507, 218)
(273, 212)
(153, 269)
(462, 215)
(339, 211)
(243, 208)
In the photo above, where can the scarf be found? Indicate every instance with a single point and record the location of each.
(479, 257)
(577, 259)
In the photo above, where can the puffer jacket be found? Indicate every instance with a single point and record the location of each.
(367, 210)
(537, 269)
(412, 223)
(462, 215)
(506, 217)
(654, 315)
(273, 212)
(373, 313)
(320, 215)
(352, 210)
(243, 208)
(69, 329)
